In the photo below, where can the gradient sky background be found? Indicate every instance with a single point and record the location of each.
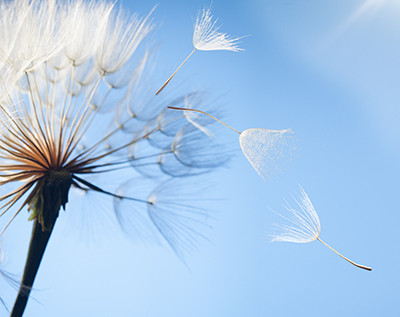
(330, 72)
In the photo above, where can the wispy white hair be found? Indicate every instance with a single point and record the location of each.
(263, 148)
(206, 36)
(304, 222)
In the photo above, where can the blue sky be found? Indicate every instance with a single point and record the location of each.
(330, 72)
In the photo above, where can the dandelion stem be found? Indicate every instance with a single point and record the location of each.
(169, 79)
(37, 247)
(348, 260)
(195, 110)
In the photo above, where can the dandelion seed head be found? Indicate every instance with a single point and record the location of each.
(81, 105)
(206, 36)
(265, 149)
(304, 225)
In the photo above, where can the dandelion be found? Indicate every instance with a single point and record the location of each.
(76, 106)
(262, 147)
(305, 226)
(206, 37)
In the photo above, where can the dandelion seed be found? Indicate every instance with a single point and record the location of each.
(65, 61)
(207, 38)
(261, 147)
(170, 212)
(305, 226)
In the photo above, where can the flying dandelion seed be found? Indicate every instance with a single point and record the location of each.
(56, 131)
(207, 38)
(262, 147)
(305, 226)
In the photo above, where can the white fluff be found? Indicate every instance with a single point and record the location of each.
(27, 34)
(305, 226)
(121, 38)
(81, 19)
(207, 38)
(263, 147)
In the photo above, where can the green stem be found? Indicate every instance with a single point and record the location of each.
(37, 247)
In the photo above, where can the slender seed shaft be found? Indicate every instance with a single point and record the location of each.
(169, 79)
(348, 260)
(203, 112)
